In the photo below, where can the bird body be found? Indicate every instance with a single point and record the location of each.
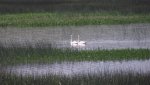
(81, 42)
(74, 42)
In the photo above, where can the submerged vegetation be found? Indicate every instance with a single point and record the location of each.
(16, 55)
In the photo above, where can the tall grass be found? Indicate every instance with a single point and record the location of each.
(117, 79)
(39, 54)
(68, 18)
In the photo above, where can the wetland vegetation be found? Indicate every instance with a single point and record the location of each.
(15, 55)
(44, 13)
(39, 13)
(29, 55)
(70, 19)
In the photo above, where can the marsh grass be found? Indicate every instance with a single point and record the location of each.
(39, 54)
(105, 79)
(70, 19)
(40, 13)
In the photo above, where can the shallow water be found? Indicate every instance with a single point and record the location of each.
(81, 68)
(101, 36)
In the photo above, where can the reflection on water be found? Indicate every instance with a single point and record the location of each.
(102, 36)
(82, 68)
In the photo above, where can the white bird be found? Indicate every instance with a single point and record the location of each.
(81, 42)
(73, 42)
(77, 43)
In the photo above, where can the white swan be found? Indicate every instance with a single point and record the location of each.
(77, 43)
(73, 42)
(80, 42)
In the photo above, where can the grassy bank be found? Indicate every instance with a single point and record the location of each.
(68, 18)
(16, 55)
(117, 79)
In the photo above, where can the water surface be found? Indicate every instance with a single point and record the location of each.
(101, 36)
(81, 68)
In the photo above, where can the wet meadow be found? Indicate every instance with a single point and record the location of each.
(35, 42)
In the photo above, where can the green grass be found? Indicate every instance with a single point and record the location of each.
(70, 19)
(42, 13)
(17, 55)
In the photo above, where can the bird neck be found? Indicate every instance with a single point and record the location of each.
(78, 38)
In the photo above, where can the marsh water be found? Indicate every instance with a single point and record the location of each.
(101, 36)
(81, 68)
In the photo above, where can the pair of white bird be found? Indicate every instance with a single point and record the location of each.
(78, 42)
